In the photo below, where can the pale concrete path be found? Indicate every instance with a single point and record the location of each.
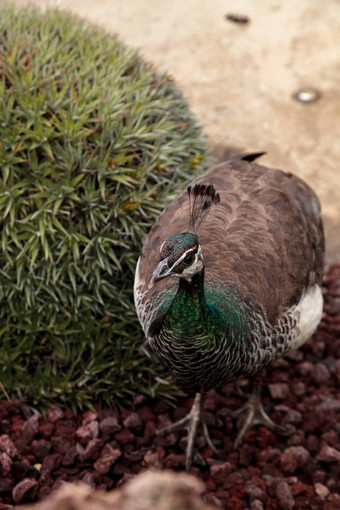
(239, 78)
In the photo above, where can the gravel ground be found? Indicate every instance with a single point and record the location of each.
(299, 468)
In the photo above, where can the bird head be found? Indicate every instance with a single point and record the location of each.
(181, 254)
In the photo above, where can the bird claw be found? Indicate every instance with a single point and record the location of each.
(192, 422)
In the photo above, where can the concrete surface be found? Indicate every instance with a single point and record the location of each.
(239, 78)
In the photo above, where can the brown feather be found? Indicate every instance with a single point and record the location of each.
(264, 239)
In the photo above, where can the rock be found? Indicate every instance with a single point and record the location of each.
(109, 425)
(7, 446)
(41, 448)
(133, 421)
(108, 457)
(284, 496)
(25, 490)
(328, 454)
(84, 434)
(65, 429)
(88, 416)
(321, 375)
(6, 485)
(321, 490)
(256, 504)
(220, 471)
(94, 427)
(71, 456)
(6, 464)
(54, 413)
(154, 459)
(93, 449)
(291, 417)
(305, 368)
(60, 445)
(124, 437)
(46, 429)
(279, 390)
(299, 388)
(30, 428)
(174, 460)
(48, 465)
(233, 480)
(293, 457)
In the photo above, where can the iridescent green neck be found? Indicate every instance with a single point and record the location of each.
(210, 316)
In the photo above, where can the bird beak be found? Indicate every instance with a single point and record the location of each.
(161, 271)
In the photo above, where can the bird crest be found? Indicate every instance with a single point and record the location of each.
(201, 198)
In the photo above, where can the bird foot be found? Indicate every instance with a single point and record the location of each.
(249, 415)
(254, 415)
(192, 423)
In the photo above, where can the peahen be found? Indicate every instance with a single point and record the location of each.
(229, 280)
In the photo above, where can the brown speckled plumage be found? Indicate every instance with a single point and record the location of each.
(264, 238)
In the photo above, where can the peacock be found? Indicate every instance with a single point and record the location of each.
(229, 280)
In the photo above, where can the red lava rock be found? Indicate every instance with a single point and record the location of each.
(65, 429)
(7, 446)
(54, 413)
(133, 421)
(94, 427)
(30, 428)
(173, 460)
(293, 457)
(48, 465)
(84, 434)
(25, 490)
(328, 454)
(107, 459)
(124, 437)
(41, 448)
(60, 445)
(6, 485)
(71, 456)
(220, 471)
(232, 480)
(284, 496)
(265, 437)
(145, 414)
(321, 490)
(302, 488)
(321, 375)
(6, 464)
(333, 502)
(46, 429)
(269, 455)
(234, 503)
(279, 390)
(16, 425)
(305, 368)
(256, 504)
(109, 425)
(93, 449)
(153, 459)
(88, 416)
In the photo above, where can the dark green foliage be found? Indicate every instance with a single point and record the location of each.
(93, 144)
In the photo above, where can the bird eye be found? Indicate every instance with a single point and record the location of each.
(188, 259)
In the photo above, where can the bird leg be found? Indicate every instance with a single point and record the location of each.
(192, 422)
(254, 411)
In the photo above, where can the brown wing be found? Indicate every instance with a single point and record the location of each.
(264, 239)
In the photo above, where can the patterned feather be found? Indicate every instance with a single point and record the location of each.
(262, 244)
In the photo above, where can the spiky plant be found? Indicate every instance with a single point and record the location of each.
(93, 143)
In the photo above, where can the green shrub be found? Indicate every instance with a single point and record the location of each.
(93, 144)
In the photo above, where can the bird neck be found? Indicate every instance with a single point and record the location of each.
(190, 315)
(213, 314)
